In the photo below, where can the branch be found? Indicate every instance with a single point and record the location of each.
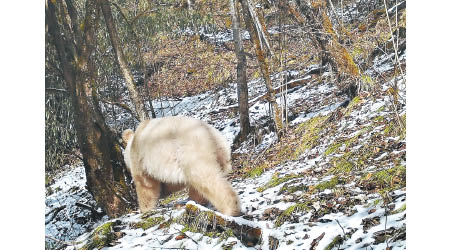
(341, 227)
(290, 86)
(54, 212)
(64, 243)
(55, 90)
(121, 12)
(90, 208)
(187, 236)
(259, 29)
(246, 53)
(119, 104)
(393, 40)
(315, 242)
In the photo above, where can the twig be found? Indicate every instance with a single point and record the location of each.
(90, 208)
(341, 228)
(315, 242)
(55, 90)
(64, 243)
(385, 226)
(393, 42)
(54, 212)
(56, 209)
(385, 222)
(188, 236)
(121, 105)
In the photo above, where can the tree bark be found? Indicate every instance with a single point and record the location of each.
(263, 64)
(106, 175)
(327, 41)
(141, 63)
(121, 60)
(241, 72)
(317, 34)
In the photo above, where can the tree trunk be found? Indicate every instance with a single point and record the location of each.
(332, 51)
(135, 97)
(106, 175)
(318, 35)
(241, 71)
(263, 64)
(141, 63)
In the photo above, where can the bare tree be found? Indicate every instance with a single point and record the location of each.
(121, 60)
(138, 43)
(107, 178)
(256, 34)
(327, 41)
(241, 68)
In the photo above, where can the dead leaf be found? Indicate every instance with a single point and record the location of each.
(180, 237)
(315, 242)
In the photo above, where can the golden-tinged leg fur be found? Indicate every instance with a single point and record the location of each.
(213, 186)
(148, 191)
(197, 197)
(170, 188)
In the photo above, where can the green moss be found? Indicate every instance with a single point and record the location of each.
(379, 119)
(356, 159)
(148, 222)
(275, 181)
(376, 202)
(352, 105)
(402, 132)
(48, 179)
(343, 164)
(251, 172)
(357, 50)
(367, 79)
(255, 172)
(392, 178)
(387, 180)
(292, 188)
(349, 142)
(394, 129)
(101, 236)
(171, 197)
(328, 184)
(401, 209)
(226, 234)
(289, 211)
(388, 129)
(382, 108)
(336, 241)
(306, 136)
(310, 133)
(332, 148)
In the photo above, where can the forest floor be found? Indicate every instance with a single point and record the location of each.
(335, 180)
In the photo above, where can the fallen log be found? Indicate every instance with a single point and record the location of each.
(207, 221)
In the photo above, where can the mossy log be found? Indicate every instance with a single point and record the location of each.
(208, 221)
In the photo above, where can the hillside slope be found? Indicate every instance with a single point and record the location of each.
(336, 179)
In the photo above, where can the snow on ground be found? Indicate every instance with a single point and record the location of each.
(346, 209)
(64, 219)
